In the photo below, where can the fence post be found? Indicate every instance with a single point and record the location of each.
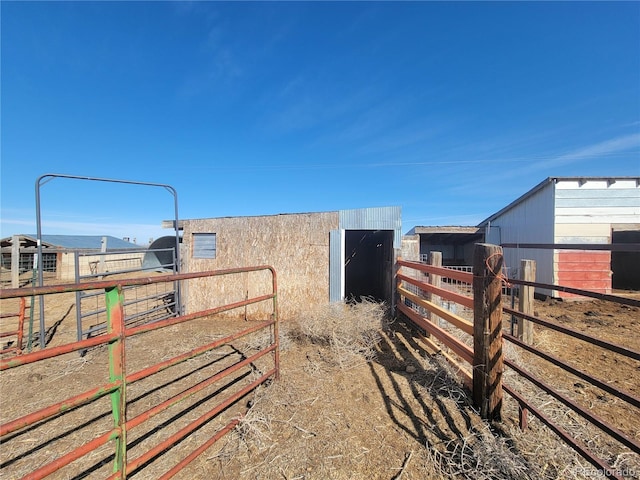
(114, 302)
(15, 261)
(487, 330)
(435, 260)
(525, 299)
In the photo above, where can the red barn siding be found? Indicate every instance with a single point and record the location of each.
(585, 270)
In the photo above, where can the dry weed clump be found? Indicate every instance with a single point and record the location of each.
(351, 331)
(421, 423)
(480, 455)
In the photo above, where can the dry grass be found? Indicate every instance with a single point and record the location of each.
(350, 331)
(548, 456)
(294, 430)
(336, 342)
(358, 398)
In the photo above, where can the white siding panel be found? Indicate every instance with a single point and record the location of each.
(576, 219)
(585, 229)
(583, 239)
(597, 202)
(597, 211)
(599, 193)
(583, 233)
(604, 201)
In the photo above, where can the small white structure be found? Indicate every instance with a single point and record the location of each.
(574, 210)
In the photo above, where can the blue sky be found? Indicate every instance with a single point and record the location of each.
(449, 109)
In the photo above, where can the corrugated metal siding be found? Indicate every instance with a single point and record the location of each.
(335, 266)
(377, 218)
(530, 221)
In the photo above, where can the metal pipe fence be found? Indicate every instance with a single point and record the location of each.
(413, 290)
(15, 342)
(118, 386)
(146, 303)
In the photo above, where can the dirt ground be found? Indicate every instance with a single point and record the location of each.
(404, 414)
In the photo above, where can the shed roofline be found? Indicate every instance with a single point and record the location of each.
(418, 229)
(48, 241)
(33, 238)
(543, 184)
(171, 223)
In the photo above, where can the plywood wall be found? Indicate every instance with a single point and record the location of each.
(296, 245)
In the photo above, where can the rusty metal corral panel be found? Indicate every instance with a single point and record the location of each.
(375, 218)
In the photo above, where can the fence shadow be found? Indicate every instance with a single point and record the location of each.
(423, 396)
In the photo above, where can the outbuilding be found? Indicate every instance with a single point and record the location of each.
(455, 242)
(59, 254)
(319, 257)
(571, 211)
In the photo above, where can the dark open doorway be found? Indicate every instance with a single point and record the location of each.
(625, 265)
(368, 264)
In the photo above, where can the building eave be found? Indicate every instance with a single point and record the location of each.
(547, 181)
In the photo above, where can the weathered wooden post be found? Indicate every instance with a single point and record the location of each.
(528, 274)
(15, 261)
(487, 330)
(435, 260)
(103, 250)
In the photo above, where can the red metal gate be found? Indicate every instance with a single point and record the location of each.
(115, 339)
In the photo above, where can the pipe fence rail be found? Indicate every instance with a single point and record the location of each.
(146, 303)
(416, 300)
(117, 389)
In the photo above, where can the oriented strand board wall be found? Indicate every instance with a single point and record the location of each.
(296, 245)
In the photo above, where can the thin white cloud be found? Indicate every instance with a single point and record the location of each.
(606, 148)
(618, 148)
